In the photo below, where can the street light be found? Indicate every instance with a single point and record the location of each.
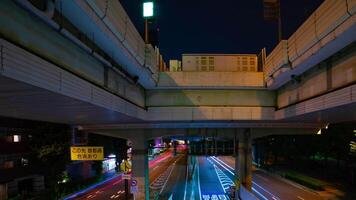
(147, 13)
(148, 9)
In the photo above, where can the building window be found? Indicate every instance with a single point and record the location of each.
(16, 138)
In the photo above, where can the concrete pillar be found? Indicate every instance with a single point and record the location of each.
(3, 191)
(174, 148)
(216, 147)
(79, 137)
(223, 147)
(140, 166)
(189, 148)
(206, 146)
(201, 148)
(244, 164)
(234, 151)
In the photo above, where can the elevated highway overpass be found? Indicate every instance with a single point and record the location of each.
(78, 63)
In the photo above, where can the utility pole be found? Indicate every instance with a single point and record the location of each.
(146, 32)
(280, 32)
(272, 12)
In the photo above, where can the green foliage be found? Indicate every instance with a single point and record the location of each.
(50, 150)
(49, 145)
(304, 180)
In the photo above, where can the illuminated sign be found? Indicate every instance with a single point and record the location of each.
(148, 9)
(87, 153)
(17, 138)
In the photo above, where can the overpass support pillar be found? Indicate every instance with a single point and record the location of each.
(244, 164)
(140, 166)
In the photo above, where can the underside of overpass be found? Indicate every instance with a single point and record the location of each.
(84, 63)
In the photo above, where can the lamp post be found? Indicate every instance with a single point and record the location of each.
(147, 13)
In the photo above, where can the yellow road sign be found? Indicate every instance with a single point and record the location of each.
(125, 166)
(87, 153)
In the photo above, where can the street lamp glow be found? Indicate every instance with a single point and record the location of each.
(148, 9)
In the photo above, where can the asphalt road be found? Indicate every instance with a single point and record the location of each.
(212, 182)
(168, 180)
(114, 189)
(160, 170)
(269, 187)
(176, 183)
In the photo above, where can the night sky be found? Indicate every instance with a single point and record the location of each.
(218, 26)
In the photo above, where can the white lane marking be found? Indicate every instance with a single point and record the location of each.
(224, 180)
(273, 196)
(300, 198)
(223, 166)
(224, 163)
(261, 195)
(198, 179)
(186, 182)
(165, 183)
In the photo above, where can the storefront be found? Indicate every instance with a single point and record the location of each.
(109, 163)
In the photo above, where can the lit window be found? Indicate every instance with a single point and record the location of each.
(17, 138)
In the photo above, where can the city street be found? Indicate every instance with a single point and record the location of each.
(156, 100)
(114, 189)
(163, 173)
(266, 186)
(212, 180)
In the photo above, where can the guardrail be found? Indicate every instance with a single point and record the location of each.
(276, 60)
(328, 22)
(116, 19)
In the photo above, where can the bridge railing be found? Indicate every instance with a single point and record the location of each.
(276, 60)
(114, 16)
(329, 21)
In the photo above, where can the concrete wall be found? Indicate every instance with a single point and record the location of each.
(210, 113)
(210, 79)
(219, 62)
(334, 73)
(27, 31)
(210, 98)
(327, 31)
